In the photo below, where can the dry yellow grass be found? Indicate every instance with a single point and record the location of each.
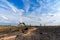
(10, 28)
(4, 28)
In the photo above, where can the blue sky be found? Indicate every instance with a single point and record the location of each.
(34, 12)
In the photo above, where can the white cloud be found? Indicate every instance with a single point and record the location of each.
(36, 17)
(4, 17)
(51, 16)
(13, 14)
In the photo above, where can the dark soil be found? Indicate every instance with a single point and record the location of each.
(42, 33)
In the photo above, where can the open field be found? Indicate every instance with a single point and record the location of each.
(31, 33)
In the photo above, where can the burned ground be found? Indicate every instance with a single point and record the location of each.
(33, 33)
(42, 33)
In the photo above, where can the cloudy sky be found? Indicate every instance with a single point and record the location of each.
(34, 12)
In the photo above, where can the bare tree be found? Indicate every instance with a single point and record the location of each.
(21, 24)
(24, 26)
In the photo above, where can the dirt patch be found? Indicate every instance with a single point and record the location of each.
(9, 38)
